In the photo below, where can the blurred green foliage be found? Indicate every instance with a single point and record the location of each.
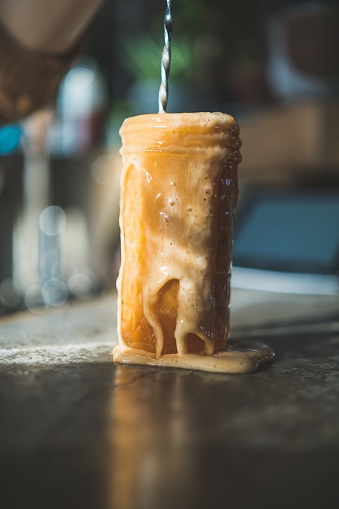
(206, 34)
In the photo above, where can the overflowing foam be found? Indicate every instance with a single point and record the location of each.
(178, 192)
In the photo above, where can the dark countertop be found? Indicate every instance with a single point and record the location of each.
(77, 431)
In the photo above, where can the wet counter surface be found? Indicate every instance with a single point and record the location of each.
(77, 431)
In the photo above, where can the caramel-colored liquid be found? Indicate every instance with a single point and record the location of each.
(239, 357)
(178, 192)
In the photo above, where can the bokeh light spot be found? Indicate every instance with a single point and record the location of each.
(52, 220)
(10, 137)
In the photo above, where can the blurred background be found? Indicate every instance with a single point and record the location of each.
(272, 64)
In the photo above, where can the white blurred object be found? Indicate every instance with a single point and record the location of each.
(36, 188)
(82, 96)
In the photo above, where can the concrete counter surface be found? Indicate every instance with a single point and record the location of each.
(77, 431)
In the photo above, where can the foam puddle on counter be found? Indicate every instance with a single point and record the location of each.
(239, 357)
